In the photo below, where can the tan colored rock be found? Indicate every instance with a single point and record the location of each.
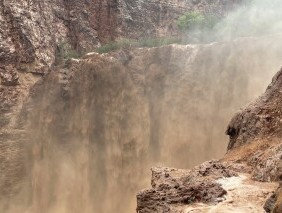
(278, 203)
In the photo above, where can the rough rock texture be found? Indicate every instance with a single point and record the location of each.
(139, 19)
(268, 164)
(31, 31)
(257, 147)
(274, 202)
(210, 187)
(32, 34)
(257, 129)
(261, 119)
(278, 202)
(175, 187)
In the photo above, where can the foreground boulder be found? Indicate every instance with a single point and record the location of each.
(211, 187)
(172, 187)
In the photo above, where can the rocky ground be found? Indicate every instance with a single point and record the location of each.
(214, 188)
(253, 162)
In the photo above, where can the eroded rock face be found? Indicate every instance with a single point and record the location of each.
(255, 134)
(261, 119)
(32, 34)
(145, 19)
(31, 31)
(274, 202)
(258, 128)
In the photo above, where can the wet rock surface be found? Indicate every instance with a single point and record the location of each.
(175, 187)
(261, 119)
(210, 187)
(258, 128)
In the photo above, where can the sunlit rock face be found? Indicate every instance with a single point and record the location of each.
(92, 128)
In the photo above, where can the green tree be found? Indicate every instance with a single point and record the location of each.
(191, 21)
(197, 27)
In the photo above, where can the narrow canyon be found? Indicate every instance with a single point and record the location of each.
(193, 125)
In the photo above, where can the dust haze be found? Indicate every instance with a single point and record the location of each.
(96, 126)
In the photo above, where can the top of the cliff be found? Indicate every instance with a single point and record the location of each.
(33, 33)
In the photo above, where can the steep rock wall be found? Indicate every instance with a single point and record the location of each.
(255, 138)
(260, 120)
(157, 18)
(31, 30)
(32, 34)
(126, 109)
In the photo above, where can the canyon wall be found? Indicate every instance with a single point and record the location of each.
(157, 18)
(110, 117)
(33, 34)
(107, 118)
(32, 31)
